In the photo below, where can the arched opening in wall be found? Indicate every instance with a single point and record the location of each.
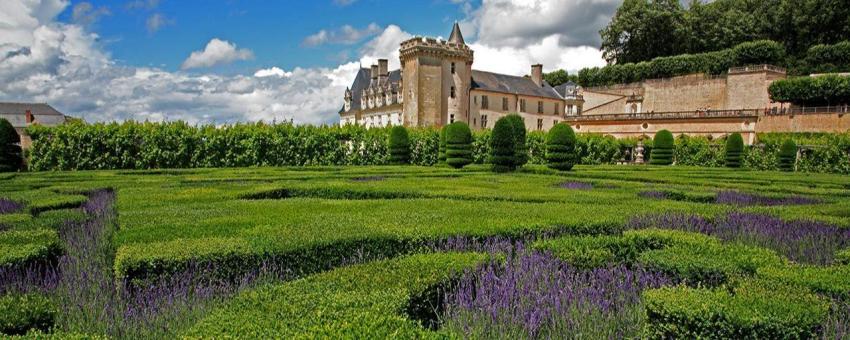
(633, 108)
(578, 127)
(644, 126)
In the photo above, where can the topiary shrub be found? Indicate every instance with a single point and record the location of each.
(399, 145)
(520, 147)
(662, 150)
(10, 151)
(788, 155)
(441, 156)
(734, 150)
(20, 313)
(458, 139)
(561, 147)
(502, 146)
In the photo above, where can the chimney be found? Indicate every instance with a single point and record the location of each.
(383, 73)
(30, 117)
(374, 74)
(537, 74)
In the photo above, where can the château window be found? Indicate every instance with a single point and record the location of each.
(522, 105)
(485, 103)
(540, 124)
(453, 92)
(451, 118)
(555, 123)
(540, 107)
(505, 104)
(453, 68)
(484, 121)
(557, 106)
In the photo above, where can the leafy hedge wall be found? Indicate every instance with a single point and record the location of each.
(718, 62)
(826, 59)
(131, 145)
(812, 91)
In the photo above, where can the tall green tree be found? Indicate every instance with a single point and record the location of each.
(559, 77)
(644, 29)
(10, 152)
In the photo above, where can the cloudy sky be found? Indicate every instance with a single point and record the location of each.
(229, 60)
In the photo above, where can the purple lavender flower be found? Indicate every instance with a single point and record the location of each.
(537, 296)
(576, 185)
(801, 240)
(745, 199)
(653, 194)
(8, 206)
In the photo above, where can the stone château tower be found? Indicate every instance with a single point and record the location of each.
(437, 77)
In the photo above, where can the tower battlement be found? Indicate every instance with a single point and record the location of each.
(436, 47)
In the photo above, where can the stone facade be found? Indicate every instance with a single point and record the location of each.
(436, 85)
(23, 115)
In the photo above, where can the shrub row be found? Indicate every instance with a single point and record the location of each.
(132, 145)
(754, 309)
(756, 52)
(823, 90)
(10, 151)
(374, 300)
(20, 313)
(151, 145)
(21, 247)
(827, 59)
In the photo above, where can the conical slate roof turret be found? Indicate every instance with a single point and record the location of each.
(456, 37)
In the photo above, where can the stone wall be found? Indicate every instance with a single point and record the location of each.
(809, 122)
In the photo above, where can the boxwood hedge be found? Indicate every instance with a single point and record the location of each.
(753, 309)
(458, 144)
(399, 145)
(21, 313)
(561, 147)
(662, 149)
(734, 151)
(362, 301)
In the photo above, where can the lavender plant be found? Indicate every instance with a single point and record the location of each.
(745, 199)
(8, 206)
(803, 241)
(535, 295)
(576, 185)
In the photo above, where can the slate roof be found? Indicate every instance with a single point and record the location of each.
(455, 36)
(44, 114)
(504, 83)
(563, 88)
(362, 81)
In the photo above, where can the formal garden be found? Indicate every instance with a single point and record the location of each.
(278, 231)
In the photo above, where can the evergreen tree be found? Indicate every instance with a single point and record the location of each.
(10, 151)
(662, 149)
(458, 139)
(734, 150)
(561, 147)
(520, 149)
(441, 156)
(399, 145)
(788, 155)
(502, 146)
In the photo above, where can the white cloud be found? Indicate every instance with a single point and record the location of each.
(385, 45)
(84, 13)
(64, 65)
(346, 34)
(142, 4)
(519, 23)
(157, 21)
(273, 71)
(216, 52)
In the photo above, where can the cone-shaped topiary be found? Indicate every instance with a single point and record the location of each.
(441, 155)
(788, 155)
(399, 145)
(502, 148)
(10, 151)
(662, 149)
(561, 147)
(520, 149)
(458, 145)
(734, 150)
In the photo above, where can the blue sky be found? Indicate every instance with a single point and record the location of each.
(227, 61)
(273, 30)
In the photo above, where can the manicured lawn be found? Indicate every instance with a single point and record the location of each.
(345, 251)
